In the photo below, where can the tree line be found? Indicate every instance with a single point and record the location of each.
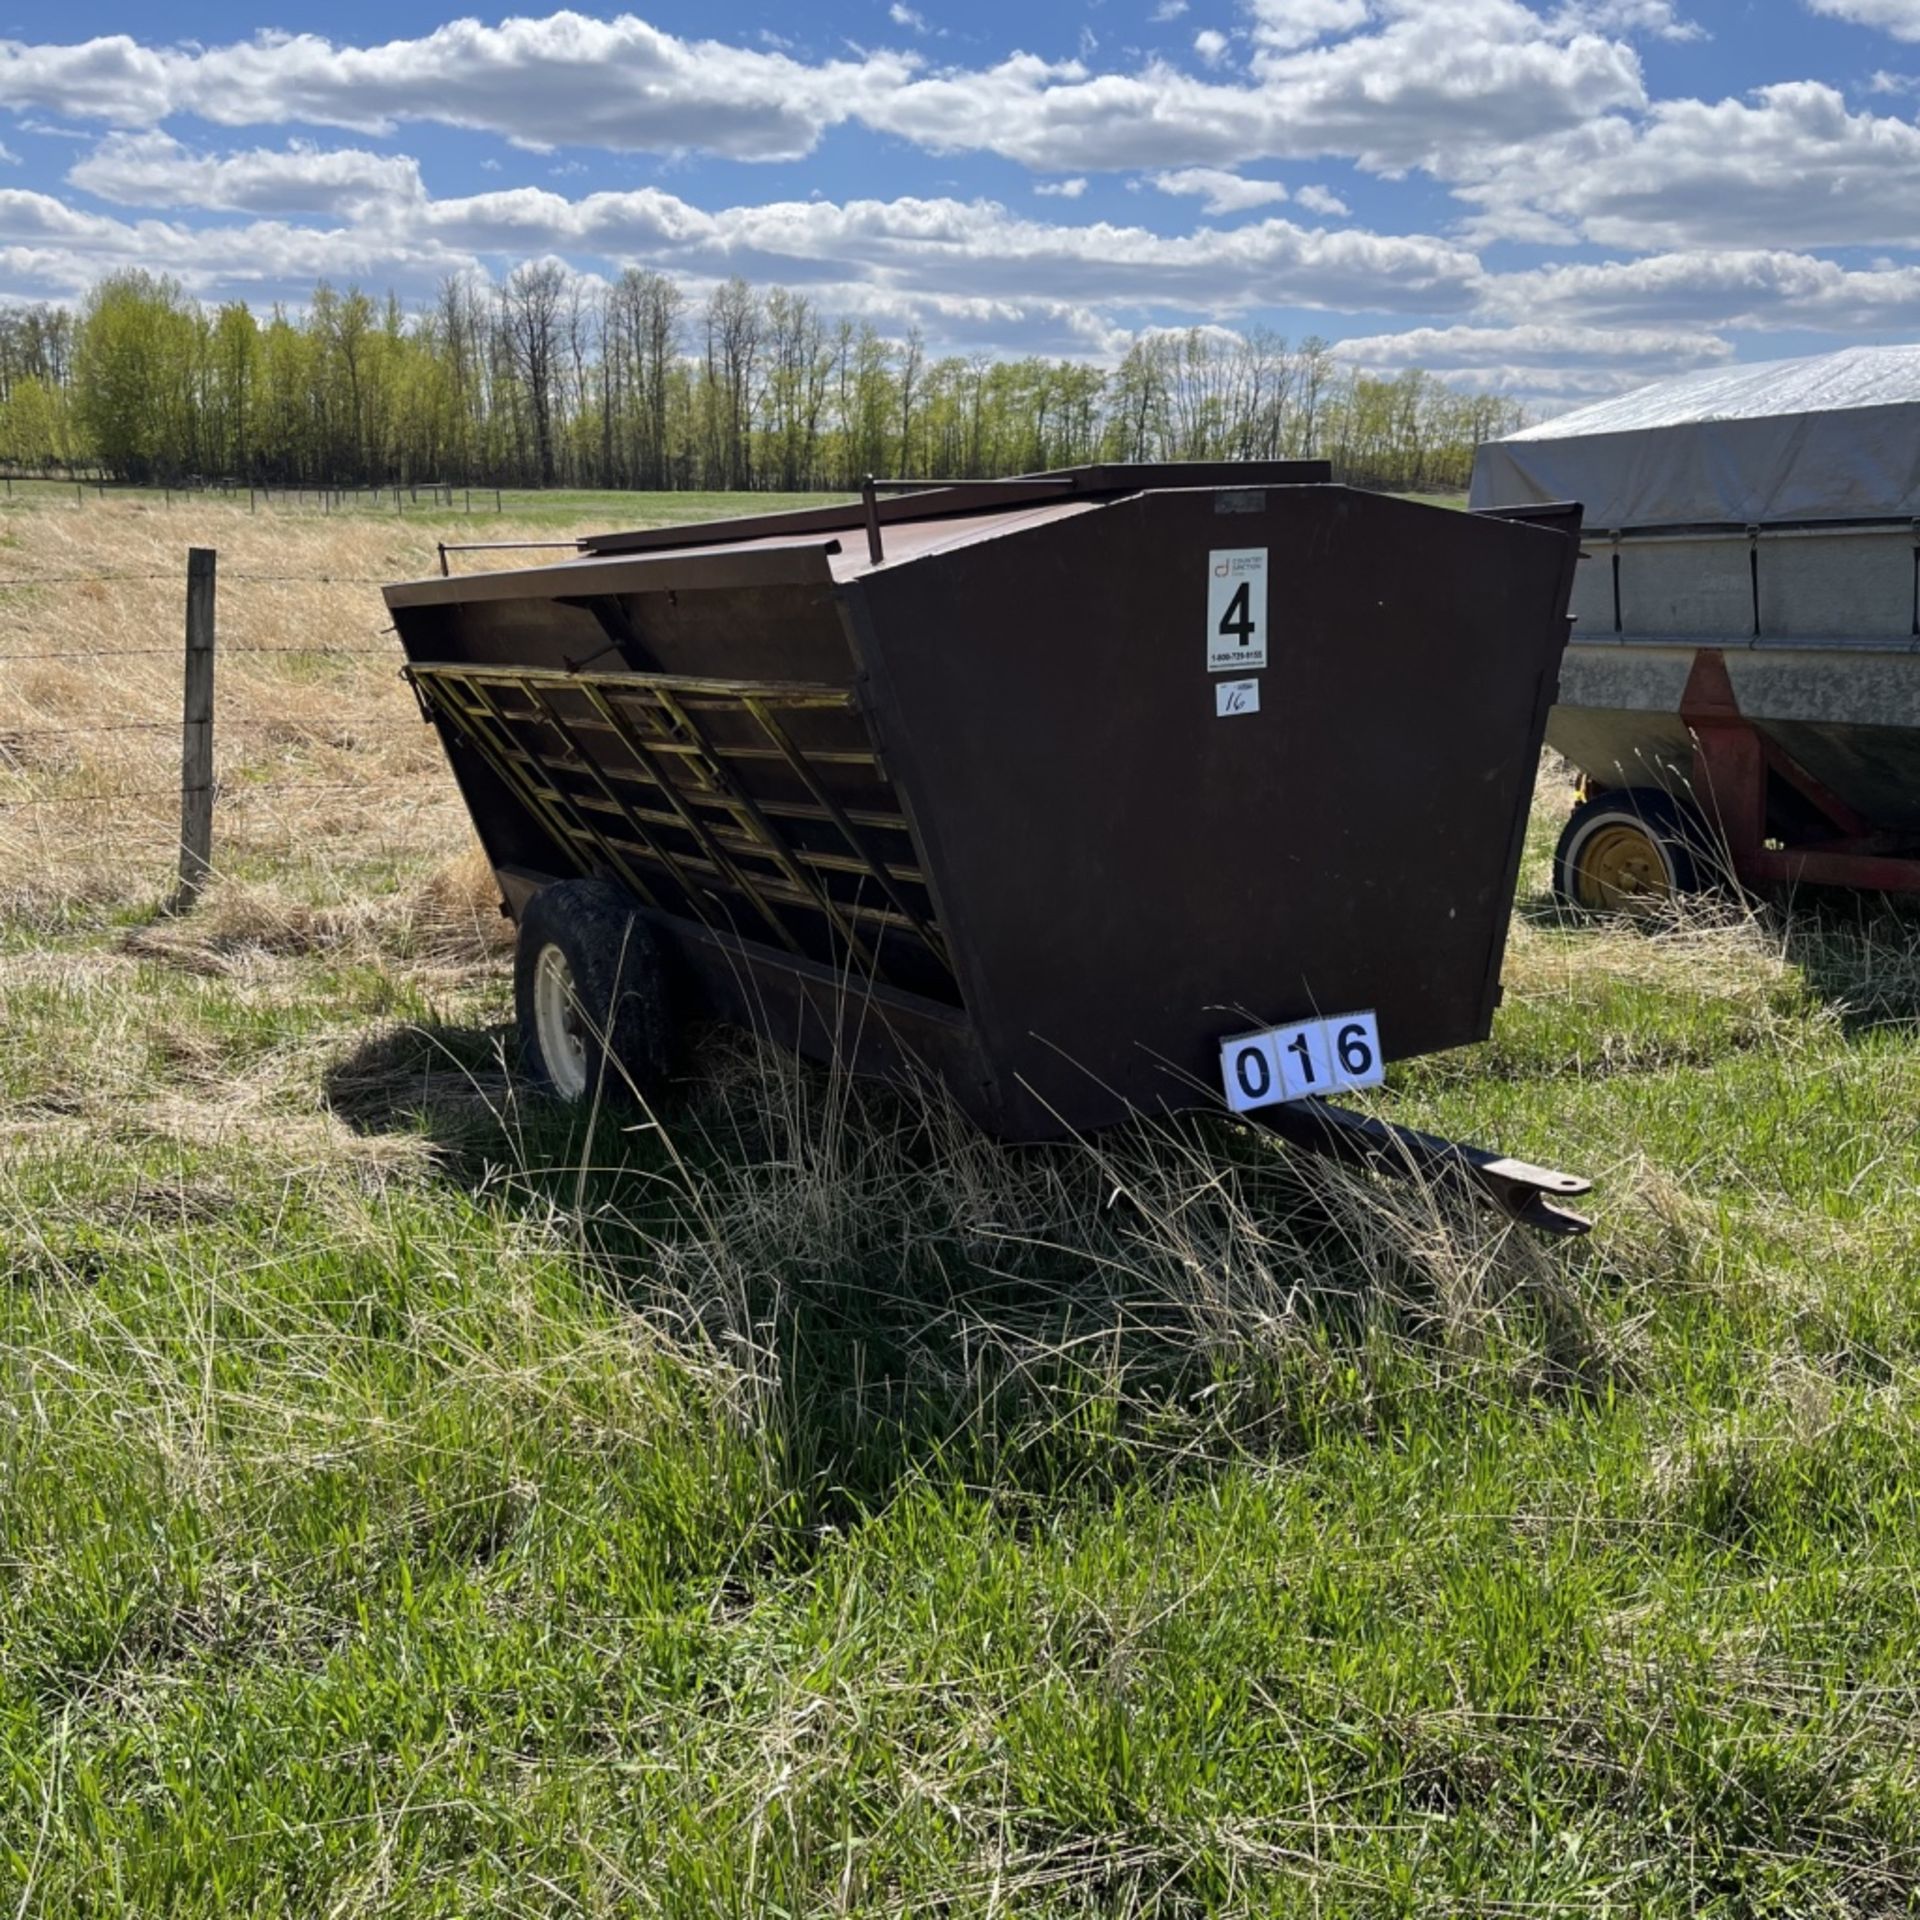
(553, 379)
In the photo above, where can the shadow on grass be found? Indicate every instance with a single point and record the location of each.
(895, 1295)
(1859, 953)
(1855, 953)
(450, 1085)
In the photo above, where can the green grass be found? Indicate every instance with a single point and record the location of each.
(409, 1505)
(479, 508)
(570, 508)
(483, 510)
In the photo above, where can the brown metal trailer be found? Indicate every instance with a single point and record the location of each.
(1116, 790)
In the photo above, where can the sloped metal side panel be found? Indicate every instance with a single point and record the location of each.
(1127, 874)
(700, 743)
(1848, 713)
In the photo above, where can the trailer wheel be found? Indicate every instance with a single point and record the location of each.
(1634, 851)
(592, 992)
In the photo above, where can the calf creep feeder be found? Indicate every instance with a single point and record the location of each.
(1121, 790)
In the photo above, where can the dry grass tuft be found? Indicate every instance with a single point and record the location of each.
(1715, 948)
(449, 922)
(1167, 1251)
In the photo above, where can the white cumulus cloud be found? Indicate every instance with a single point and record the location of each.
(1427, 79)
(1901, 18)
(1317, 199)
(1678, 226)
(1298, 23)
(1791, 165)
(155, 170)
(1219, 191)
(564, 79)
(916, 252)
(1746, 289)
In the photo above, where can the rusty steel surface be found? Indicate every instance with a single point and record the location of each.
(983, 806)
(1125, 876)
(1746, 781)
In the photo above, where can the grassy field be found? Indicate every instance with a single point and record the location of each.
(410, 1505)
(477, 508)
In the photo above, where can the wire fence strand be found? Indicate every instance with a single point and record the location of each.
(287, 729)
(273, 767)
(227, 652)
(228, 796)
(169, 579)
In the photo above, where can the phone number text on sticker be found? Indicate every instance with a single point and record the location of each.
(1295, 1062)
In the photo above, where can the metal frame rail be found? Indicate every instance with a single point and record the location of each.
(1757, 537)
(670, 803)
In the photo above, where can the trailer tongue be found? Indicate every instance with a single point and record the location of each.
(1118, 790)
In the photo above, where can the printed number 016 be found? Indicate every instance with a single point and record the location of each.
(1296, 1062)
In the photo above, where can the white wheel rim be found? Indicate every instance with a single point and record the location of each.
(559, 1025)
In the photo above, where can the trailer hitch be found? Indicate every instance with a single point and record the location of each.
(1524, 1193)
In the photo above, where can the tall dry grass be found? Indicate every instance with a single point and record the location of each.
(324, 770)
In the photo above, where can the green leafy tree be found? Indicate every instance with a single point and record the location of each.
(133, 374)
(550, 380)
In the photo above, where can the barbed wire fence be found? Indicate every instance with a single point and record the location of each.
(432, 496)
(206, 793)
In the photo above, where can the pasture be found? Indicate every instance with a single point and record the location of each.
(413, 1502)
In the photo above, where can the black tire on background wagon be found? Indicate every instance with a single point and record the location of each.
(593, 993)
(1633, 851)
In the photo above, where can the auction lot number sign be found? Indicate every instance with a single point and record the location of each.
(1295, 1062)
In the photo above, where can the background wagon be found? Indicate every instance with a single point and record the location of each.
(1743, 686)
(1048, 787)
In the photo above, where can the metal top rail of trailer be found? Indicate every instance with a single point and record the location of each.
(945, 781)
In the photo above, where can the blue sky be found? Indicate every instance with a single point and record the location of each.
(1555, 197)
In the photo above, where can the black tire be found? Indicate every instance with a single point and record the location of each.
(583, 944)
(1648, 833)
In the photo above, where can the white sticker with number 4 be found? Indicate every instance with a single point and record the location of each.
(1237, 610)
(1310, 1057)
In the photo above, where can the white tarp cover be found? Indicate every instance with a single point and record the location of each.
(1836, 437)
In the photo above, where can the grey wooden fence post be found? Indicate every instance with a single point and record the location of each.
(196, 735)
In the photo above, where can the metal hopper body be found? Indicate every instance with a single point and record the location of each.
(1768, 675)
(1745, 673)
(988, 804)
